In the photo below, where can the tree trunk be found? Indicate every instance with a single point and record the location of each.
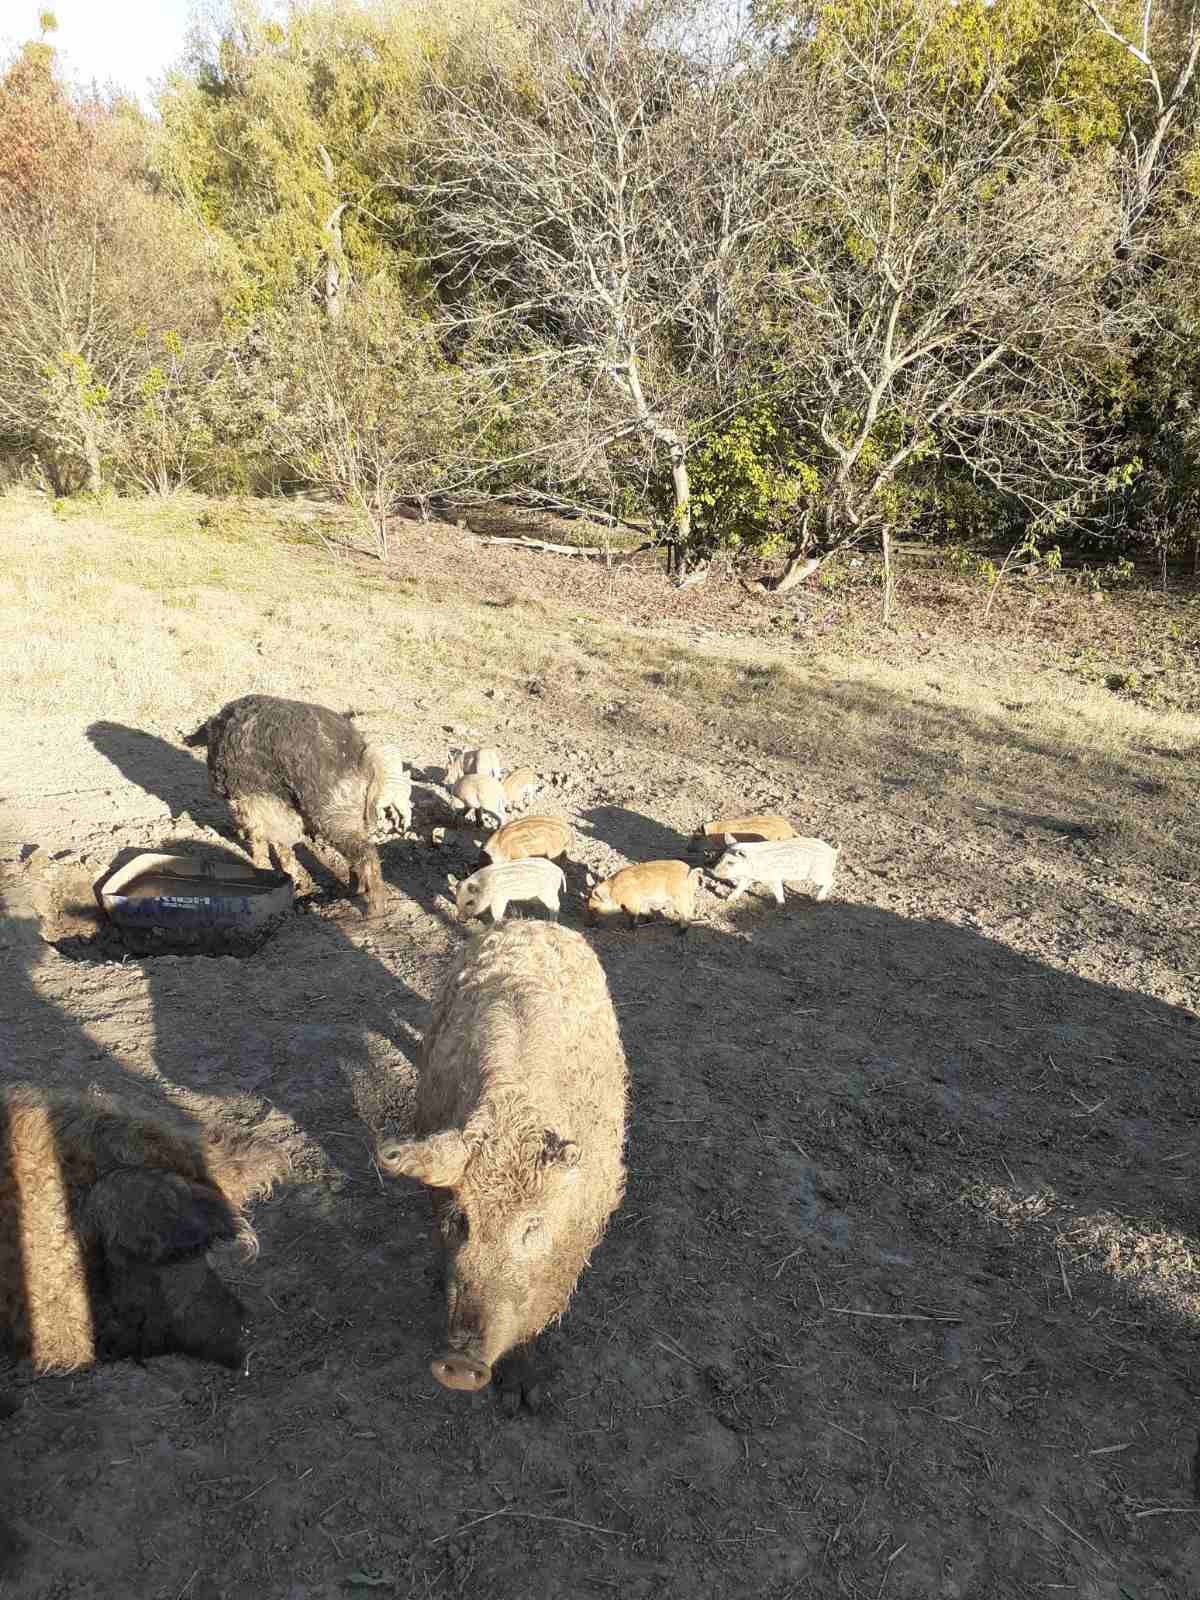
(798, 568)
(334, 257)
(335, 254)
(91, 454)
(631, 378)
(682, 484)
(889, 577)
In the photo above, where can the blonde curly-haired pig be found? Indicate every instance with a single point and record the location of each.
(484, 763)
(519, 1133)
(776, 863)
(528, 836)
(492, 888)
(478, 797)
(667, 886)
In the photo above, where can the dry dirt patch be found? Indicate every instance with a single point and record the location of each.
(902, 1299)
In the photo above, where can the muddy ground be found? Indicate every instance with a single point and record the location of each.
(903, 1298)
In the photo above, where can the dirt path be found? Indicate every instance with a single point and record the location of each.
(903, 1299)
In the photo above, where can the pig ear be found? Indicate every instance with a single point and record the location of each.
(452, 880)
(591, 878)
(557, 1151)
(440, 1160)
(158, 1216)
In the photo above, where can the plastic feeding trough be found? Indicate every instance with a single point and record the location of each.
(194, 900)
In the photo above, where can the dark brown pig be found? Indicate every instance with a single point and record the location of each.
(289, 769)
(520, 1129)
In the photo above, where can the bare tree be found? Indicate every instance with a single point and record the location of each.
(607, 203)
(100, 276)
(943, 297)
(366, 408)
(1168, 31)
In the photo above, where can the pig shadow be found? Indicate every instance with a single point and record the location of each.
(308, 992)
(170, 774)
(636, 836)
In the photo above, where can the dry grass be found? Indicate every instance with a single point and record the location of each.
(159, 610)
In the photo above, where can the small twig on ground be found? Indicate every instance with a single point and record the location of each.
(1087, 1110)
(847, 1432)
(1062, 1268)
(1075, 1534)
(266, 1482)
(526, 1516)
(783, 1260)
(567, 1522)
(958, 1422)
(894, 1316)
(888, 1567)
(474, 1523)
(665, 1342)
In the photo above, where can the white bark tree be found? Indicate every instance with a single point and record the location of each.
(1166, 45)
(943, 295)
(607, 203)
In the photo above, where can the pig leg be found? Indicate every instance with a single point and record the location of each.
(260, 850)
(499, 907)
(251, 825)
(777, 891)
(734, 893)
(550, 901)
(285, 860)
(518, 1381)
(823, 891)
(366, 873)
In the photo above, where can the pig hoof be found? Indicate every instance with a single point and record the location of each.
(517, 1387)
(510, 1399)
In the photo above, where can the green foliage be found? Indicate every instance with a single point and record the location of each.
(750, 486)
(241, 295)
(293, 133)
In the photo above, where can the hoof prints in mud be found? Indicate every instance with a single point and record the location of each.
(112, 943)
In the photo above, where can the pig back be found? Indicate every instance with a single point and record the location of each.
(782, 860)
(264, 745)
(529, 836)
(523, 1039)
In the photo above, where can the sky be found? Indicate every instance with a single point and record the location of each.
(127, 42)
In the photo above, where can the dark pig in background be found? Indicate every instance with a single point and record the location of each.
(289, 770)
(519, 1133)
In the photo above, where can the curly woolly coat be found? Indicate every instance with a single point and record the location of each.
(521, 1110)
(105, 1221)
(288, 769)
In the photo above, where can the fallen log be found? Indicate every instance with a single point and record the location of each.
(591, 552)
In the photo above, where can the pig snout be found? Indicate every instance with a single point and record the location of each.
(455, 1369)
(475, 1338)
